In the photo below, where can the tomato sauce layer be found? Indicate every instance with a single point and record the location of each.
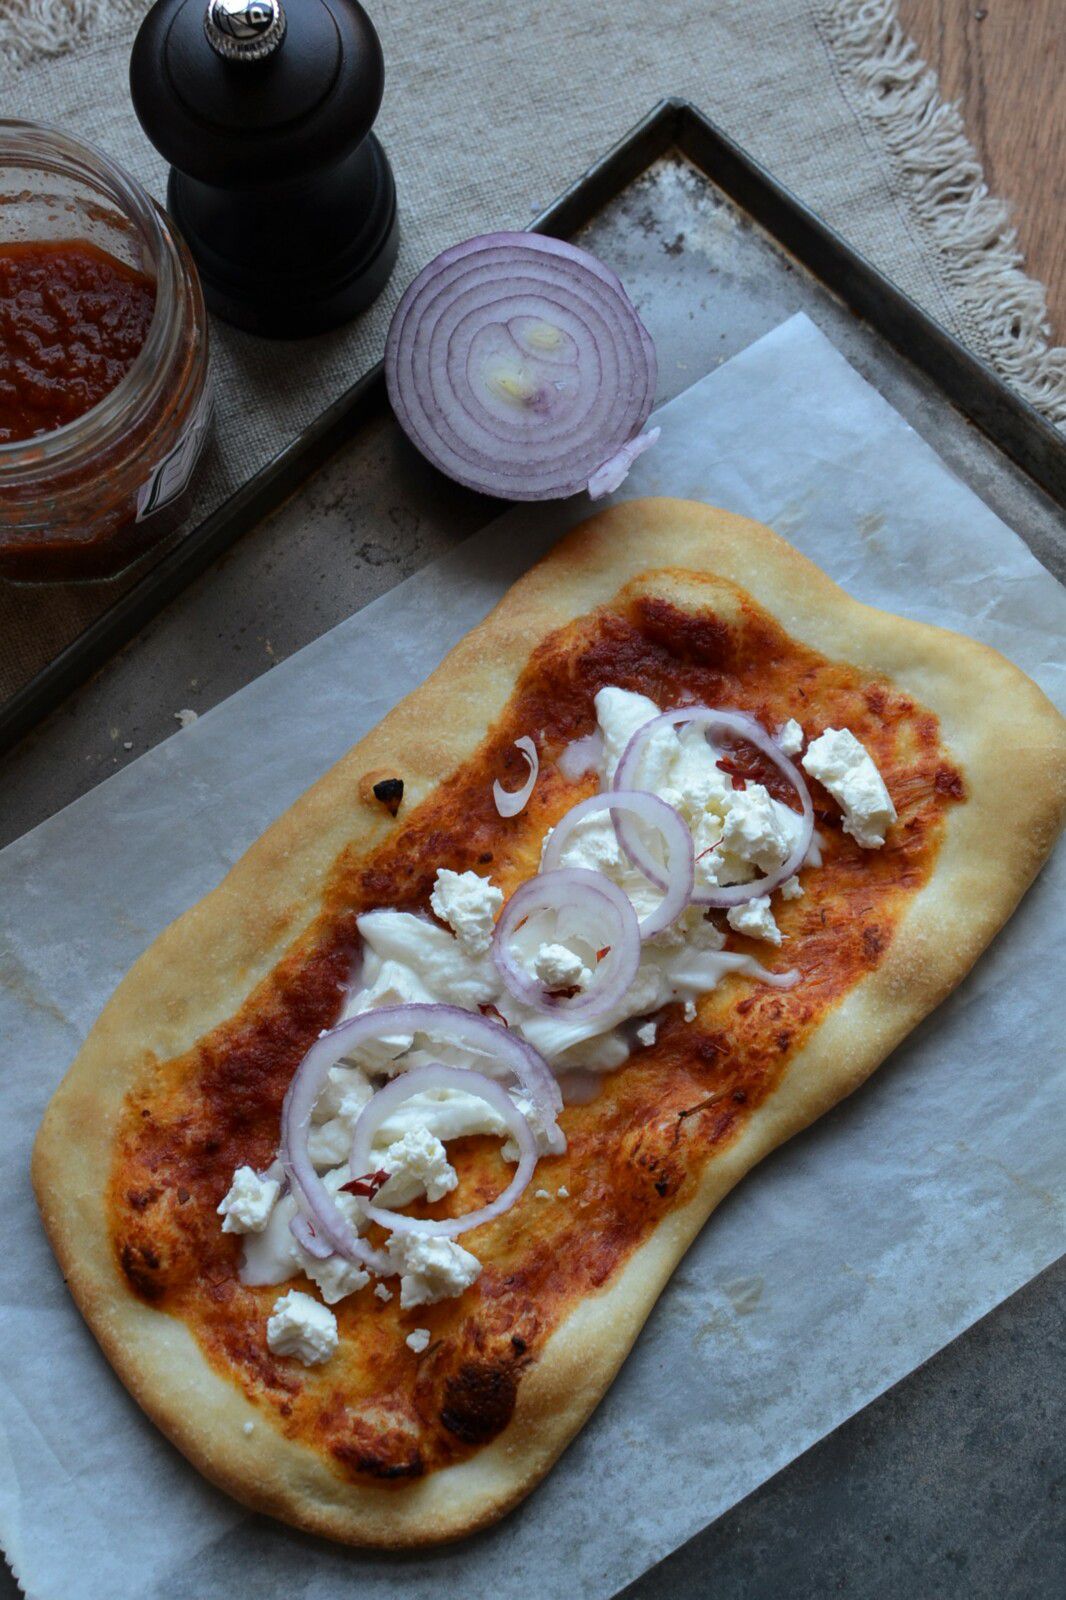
(72, 321)
(635, 1153)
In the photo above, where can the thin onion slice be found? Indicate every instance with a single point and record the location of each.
(518, 365)
(678, 875)
(419, 1079)
(581, 755)
(737, 725)
(604, 906)
(510, 802)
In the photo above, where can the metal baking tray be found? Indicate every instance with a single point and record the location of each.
(762, 255)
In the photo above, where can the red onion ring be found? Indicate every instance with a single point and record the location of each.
(668, 823)
(740, 726)
(385, 1101)
(572, 889)
(510, 802)
(518, 365)
(314, 1201)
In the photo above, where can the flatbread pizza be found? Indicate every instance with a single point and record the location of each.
(374, 1165)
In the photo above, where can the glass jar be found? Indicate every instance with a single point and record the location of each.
(88, 498)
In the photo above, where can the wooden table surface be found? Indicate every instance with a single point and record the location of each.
(1005, 61)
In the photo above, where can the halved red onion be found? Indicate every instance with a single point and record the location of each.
(581, 755)
(510, 803)
(736, 725)
(592, 901)
(415, 1081)
(679, 867)
(519, 366)
(327, 1223)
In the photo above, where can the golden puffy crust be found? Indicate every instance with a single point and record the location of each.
(1000, 729)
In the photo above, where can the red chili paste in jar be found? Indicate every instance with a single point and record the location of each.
(72, 321)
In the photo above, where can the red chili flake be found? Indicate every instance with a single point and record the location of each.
(745, 1005)
(368, 1185)
(604, 952)
(487, 1009)
(711, 1100)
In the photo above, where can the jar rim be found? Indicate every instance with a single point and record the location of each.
(39, 145)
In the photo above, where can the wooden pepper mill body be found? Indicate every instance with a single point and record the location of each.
(283, 193)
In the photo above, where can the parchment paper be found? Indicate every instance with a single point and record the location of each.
(846, 1260)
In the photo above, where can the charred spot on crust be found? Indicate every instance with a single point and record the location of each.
(140, 1263)
(390, 792)
(949, 782)
(381, 788)
(378, 1466)
(479, 1401)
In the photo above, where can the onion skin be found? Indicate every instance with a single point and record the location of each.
(518, 366)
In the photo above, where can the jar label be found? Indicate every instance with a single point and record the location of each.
(168, 478)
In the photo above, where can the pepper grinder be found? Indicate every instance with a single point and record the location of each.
(264, 112)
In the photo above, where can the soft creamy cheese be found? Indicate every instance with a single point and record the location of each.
(791, 889)
(845, 767)
(469, 905)
(247, 1206)
(755, 919)
(431, 1269)
(302, 1327)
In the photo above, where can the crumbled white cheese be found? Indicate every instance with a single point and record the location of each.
(247, 1206)
(563, 1192)
(248, 1427)
(302, 1327)
(541, 1194)
(646, 1034)
(791, 889)
(382, 1292)
(844, 766)
(418, 1164)
(559, 967)
(418, 1340)
(755, 830)
(469, 905)
(755, 919)
(336, 1277)
(790, 738)
(690, 1011)
(186, 718)
(431, 1268)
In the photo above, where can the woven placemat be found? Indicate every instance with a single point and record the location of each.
(828, 94)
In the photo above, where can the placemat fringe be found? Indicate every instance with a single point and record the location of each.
(30, 29)
(970, 227)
